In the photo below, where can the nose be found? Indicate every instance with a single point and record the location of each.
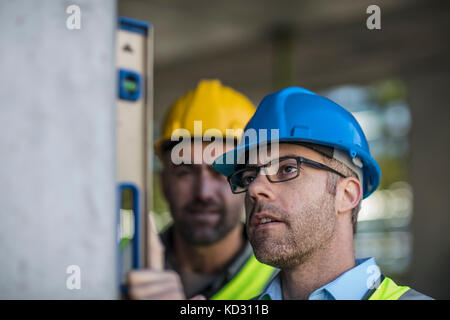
(260, 189)
(205, 186)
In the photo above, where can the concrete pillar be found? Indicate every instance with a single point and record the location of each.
(429, 97)
(57, 165)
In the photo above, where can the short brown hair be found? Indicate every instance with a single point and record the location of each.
(333, 180)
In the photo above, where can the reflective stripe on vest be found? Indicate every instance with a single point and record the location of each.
(248, 283)
(388, 290)
(414, 295)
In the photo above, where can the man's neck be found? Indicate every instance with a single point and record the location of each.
(317, 270)
(208, 259)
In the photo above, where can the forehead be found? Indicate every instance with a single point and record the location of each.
(302, 151)
(284, 149)
(197, 152)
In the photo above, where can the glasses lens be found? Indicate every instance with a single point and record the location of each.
(282, 170)
(277, 171)
(240, 180)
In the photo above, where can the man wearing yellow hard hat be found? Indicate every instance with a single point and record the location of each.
(206, 245)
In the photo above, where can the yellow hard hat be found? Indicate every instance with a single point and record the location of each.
(217, 106)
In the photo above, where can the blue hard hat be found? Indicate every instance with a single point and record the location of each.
(303, 116)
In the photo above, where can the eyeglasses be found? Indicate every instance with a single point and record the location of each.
(278, 170)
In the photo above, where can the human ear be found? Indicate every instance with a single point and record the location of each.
(348, 194)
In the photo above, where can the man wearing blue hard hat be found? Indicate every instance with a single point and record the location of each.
(304, 165)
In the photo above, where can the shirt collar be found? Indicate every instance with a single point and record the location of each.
(351, 285)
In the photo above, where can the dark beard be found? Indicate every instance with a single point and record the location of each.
(199, 234)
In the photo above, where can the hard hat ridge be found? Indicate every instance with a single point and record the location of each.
(216, 106)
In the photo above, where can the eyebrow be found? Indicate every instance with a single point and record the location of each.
(287, 156)
(183, 165)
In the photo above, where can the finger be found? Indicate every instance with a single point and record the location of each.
(155, 247)
(198, 297)
(167, 295)
(144, 276)
(171, 291)
(157, 290)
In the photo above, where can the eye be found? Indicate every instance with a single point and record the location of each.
(182, 171)
(247, 178)
(287, 170)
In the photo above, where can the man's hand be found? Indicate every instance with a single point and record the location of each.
(155, 283)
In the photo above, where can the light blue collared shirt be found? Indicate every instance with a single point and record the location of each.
(351, 285)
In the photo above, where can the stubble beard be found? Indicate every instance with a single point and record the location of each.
(306, 232)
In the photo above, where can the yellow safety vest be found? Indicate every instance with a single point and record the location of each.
(389, 290)
(248, 283)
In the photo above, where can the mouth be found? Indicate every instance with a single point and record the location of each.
(263, 220)
(206, 217)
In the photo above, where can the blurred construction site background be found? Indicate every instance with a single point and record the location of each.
(395, 81)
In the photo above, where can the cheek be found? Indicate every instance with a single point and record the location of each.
(298, 194)
(233, 202)
(248, 206)
(180, 192)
